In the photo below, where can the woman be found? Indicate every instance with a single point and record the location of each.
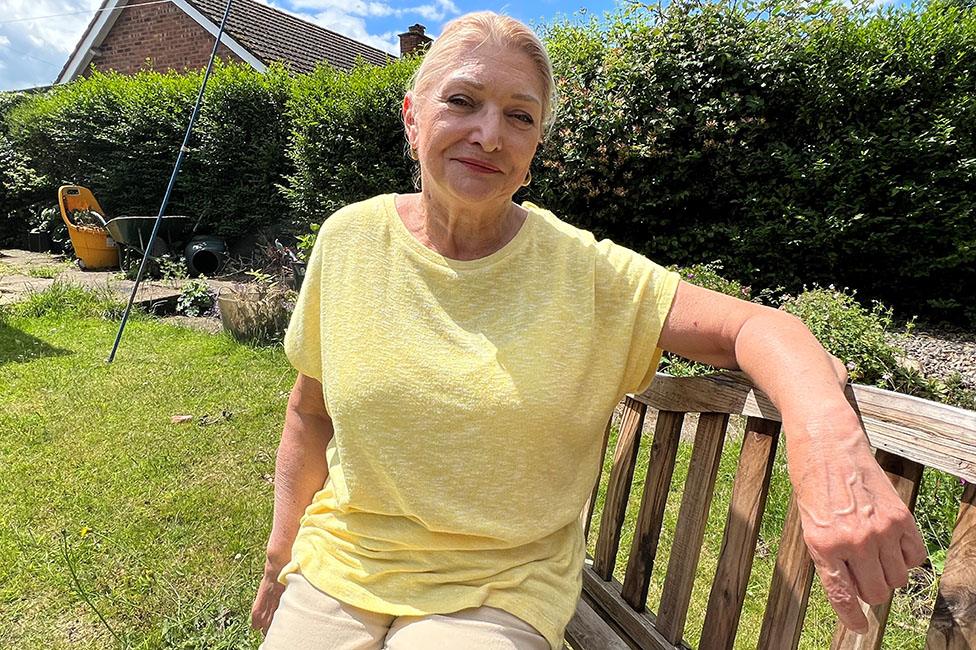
(458, 355)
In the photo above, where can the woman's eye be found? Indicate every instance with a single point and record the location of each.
(522, 117)
(458, 100)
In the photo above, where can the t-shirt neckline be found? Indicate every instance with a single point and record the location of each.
(414, 245)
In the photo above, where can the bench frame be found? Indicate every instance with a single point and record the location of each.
(908, 435)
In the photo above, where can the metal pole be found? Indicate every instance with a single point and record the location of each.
(169, 188)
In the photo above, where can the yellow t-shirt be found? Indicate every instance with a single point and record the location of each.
(469, 400)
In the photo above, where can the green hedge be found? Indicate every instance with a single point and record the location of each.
(829, 147)
(803, 142)
(120, 135)
(348, 142)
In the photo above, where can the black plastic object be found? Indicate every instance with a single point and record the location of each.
(205, 255)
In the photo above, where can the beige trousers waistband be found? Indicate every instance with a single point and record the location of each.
(308, 619)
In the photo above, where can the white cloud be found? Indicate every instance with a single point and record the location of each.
(351, 7)
(33, 51)
(355, 27)
(349, 17)
(440, 10)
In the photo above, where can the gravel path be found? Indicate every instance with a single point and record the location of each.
(942, 353)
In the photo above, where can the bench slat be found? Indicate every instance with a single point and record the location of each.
(618, 488)
(749, 493)
(936, 435)
(906, 477)
(639, 627)
(587, 631)
(591, 503)
(953, 625)
(643, 550)
(790, 589)
(690, 530)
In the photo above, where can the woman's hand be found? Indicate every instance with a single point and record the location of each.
(266, 601)
(860, 535)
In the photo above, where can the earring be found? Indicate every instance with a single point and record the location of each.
(413, 153)
(528, 179)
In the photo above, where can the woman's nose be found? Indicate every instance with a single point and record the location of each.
(488, 130)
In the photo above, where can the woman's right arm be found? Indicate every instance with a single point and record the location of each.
(300, 471)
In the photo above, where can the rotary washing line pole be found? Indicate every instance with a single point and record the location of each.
(169, 188)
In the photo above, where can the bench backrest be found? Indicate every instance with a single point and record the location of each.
(908, 433)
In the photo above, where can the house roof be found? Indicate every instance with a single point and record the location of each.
(274, 35)
(256, 32)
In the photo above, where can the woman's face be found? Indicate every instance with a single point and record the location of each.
(476, 128)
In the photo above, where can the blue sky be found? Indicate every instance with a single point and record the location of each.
(37, 36)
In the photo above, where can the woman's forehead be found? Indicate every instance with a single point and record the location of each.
(494, 67)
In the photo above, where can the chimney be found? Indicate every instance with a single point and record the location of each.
(414, 40)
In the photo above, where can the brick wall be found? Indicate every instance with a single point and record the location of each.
(162, 33)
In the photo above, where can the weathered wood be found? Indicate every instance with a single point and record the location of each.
(749, 493)
(588, 631)
(591, 502)
(953, 625)
(640, 627)
(790, 589)
(935, 435)
(906, 477)
(618, 488)
(690, 530)
(650, 518)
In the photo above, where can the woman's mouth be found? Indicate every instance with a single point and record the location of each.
(478, 166)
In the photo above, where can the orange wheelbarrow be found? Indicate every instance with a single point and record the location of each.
(85, 220)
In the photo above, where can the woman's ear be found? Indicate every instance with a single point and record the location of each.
(409, 113)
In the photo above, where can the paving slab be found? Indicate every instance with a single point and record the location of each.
(22, 272)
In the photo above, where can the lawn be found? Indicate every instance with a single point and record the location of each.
(164, 524)
(109, 505)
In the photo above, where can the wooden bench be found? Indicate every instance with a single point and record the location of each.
(908, 433)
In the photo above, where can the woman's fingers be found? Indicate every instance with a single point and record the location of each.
(894, 566)
(839, 586)
(870, 577)
(913, 548)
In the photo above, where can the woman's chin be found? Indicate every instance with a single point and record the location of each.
(479, 190)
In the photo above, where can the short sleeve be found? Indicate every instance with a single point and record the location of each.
(637, 295)
(303, 342)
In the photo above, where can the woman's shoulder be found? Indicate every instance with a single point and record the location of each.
(564, 235)
(359, 215)
(558, 230)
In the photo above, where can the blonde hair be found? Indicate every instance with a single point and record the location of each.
(487, 27)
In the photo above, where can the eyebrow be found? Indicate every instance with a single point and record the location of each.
(477, 85)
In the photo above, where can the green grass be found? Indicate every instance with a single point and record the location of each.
(911, 609)
(165, 524)
(46, 271)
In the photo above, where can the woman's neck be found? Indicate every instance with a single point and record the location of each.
(460, 233)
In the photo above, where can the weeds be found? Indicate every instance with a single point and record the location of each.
(70, 298)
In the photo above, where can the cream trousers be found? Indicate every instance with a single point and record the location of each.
(308, 619)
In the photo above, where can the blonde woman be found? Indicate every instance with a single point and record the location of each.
(458, 357)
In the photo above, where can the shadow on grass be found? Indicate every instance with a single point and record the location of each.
(17, 346)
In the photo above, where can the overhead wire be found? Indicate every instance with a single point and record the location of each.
(28, 54)
(86, 11)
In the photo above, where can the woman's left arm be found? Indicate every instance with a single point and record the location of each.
(862, 538)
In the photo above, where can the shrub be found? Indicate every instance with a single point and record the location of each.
(120, 135)
(196, 298)
(819, 144)
(258, 312)
(348, 141)
(854, 334)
